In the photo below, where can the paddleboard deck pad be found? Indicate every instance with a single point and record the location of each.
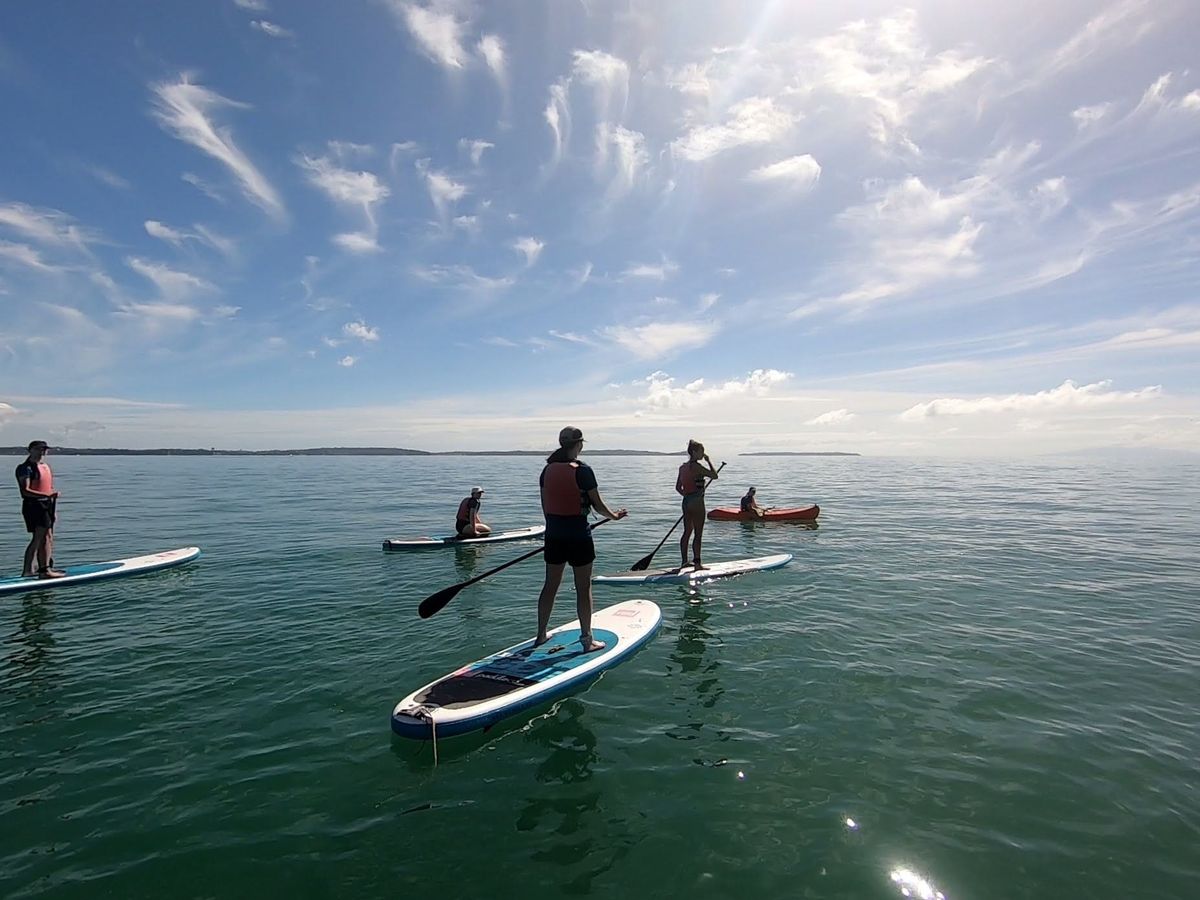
(694, 576)
(482, 693)
(450, 540)
(118, 568)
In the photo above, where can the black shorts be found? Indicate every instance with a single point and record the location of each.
(38, 513)
(578, 551)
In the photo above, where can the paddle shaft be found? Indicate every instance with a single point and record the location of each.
(435, 602)
(644, 562)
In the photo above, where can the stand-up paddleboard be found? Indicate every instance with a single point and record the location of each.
(776, 514)
(482, 693)
(450, 540)
(118, 568)
(693, 576)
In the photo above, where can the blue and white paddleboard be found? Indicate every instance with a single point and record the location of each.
(118, 568)
(482, 693)
(695, 576)
(450, 540)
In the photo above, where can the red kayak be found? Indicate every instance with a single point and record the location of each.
(777, 514)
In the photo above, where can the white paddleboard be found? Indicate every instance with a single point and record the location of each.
(694, 576)
(449, 540)
(482, 693)
(117, 568)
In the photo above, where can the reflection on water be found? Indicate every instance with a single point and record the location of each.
(693, 658)
(466, 560)
(570, 832)
(913, 885)
(29, 650)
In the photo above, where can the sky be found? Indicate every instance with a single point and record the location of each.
(925, 229)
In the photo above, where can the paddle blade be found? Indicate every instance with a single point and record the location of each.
(435, 602)
(642, 564)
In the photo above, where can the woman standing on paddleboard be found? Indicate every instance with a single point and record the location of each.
(569, 493)
(38, 501)
(691, 484)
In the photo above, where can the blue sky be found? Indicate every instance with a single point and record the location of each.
(913, 229)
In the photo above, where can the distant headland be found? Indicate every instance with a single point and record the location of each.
(361, 451)
(798, 453)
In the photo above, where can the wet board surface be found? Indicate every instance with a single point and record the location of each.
(117, 568)
(449, 540)
(689, 575)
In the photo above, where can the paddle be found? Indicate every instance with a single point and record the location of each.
(644, 563)
(434, 602)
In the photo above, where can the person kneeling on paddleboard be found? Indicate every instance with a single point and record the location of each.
(467, 523)
(691, 485)
(750, 505)
(38, 501)
(569, 493)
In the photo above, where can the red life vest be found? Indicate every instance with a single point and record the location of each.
(688, 483)
(561, 495)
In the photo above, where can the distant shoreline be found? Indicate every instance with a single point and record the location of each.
(367, 451)
(799, 453)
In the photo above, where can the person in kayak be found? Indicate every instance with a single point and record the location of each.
(467, 523)
(750, 507)
(38, 502)
(690, 484)
(569, 492)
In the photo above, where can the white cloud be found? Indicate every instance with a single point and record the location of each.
(661, 272)
(462, 277)
(8, 412)
(171, 283)
(580, 276)
(347, 361)
(360, 242)
(203, 186)
(656, 340)
(530, 247)
(25, 256)
(1123, 23)
(48, 227)
(469, 224)
(558, 116)
(609, 77)
(476, 149)
(572, 338)
(158, 315)
(491, 48)
(443, 190)
(662, 395)
(361, 331)
(218, 242)
(833, 417)
(349, 188)
(1066, 395)
(707, 301)
(252, 5)
(437, 31)
(108, 177)
(629, 156)
(183, 108)
(800, 172)
(1086, 116)
(164, 232)
(271, 29)
(756, 120)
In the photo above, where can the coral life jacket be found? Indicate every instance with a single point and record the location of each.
(688, 482)
(561, 495)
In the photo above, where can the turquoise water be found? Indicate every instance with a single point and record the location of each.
(989, 668)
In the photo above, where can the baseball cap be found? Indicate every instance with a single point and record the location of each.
(477, 490)
(569, 435)
(35, 445)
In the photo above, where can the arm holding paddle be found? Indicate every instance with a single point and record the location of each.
(644, 563)
(601, 507)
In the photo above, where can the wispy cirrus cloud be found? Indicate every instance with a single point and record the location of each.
(444, 191)
(270, 29)
(358, 190)
(172, 284)
(463, 278)
(755, 120)
(186, 110)
(437, 30)
(658, 340)
(475, 148)
(252, 5)
(529, 247)
(491, 48)
(25, 256)
(652, 271)
(558, 116)
(48, 227)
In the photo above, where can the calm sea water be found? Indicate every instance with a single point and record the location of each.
(978, 680)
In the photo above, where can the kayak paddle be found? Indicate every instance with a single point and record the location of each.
(644, 563)
(434, 602)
